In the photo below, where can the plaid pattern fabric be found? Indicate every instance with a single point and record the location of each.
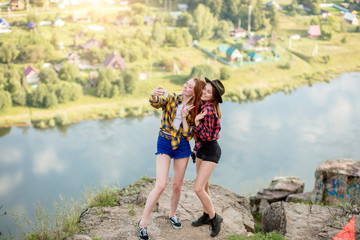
(209, 127)
(169, 106)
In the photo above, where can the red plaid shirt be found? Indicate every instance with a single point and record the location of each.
(209, 127)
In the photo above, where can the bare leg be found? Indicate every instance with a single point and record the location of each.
(198, 163)
(162, 170)
(203, 176)
(179, 172)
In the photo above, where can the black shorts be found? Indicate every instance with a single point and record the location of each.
(209, 151)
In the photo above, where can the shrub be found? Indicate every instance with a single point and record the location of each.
(202, 71)
(19, 98)
(5, 100)
(61, 118)
(225, 73)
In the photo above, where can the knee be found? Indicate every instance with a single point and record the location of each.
(176, 187)
(198, 189)
(159, 188)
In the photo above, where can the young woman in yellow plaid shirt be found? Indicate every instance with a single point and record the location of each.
(176, 130)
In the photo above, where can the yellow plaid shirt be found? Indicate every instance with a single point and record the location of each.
(169, 106)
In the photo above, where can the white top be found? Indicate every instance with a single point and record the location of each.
(177, 120)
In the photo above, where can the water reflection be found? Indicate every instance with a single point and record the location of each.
(4, 131)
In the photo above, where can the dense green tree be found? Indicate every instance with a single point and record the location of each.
(139, 9)
(103, 89)
(50, 100)
(19, 98)
(158, 34)
(131, 78)
(231, 10)
(14, 85)
(225, 73)
(37, 96)
(315, 21)
(223, 29)
(202, 71)
(8, 52)
(48, 75)
(257, 18)
(185, 20)
(5, 100)
(33, 53)
(274, 19)
(37, 3)
(63, 92)
(76, 91)
(205, 23)
(69, 72)
(180, 37)
(315, 8)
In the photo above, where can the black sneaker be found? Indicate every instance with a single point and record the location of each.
(204, 219)
(143, 232)
(175, 222)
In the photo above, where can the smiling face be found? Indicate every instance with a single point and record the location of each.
(207, 93)
(188, 88)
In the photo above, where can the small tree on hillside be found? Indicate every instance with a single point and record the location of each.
(5, 100)
(184, 20)
(48, 75)
(202, 71)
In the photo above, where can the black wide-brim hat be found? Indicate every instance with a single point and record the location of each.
(219, 87)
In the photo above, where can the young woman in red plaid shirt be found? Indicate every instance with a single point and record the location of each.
(208, 151)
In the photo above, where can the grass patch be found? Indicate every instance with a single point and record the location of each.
(258, 236)
(63, 222)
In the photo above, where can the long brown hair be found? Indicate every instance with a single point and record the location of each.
(196, 100)
(215, 102)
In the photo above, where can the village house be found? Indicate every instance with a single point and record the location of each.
(149, 21)
(255, 57)
(115, 61)
(31, 75)
(4, 26)
(17, 5)
(325, 13)
(238, 33)
(123, 21)
(58, 22)
(81, 17)
(222, 48)
(73, 58)
(91, 43)
(273, 3)
(183, 7)
(314, 32)
(233, 54)
(351, 18)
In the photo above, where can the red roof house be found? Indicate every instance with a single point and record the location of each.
(115, 61)
(314, 32)
(31, 75)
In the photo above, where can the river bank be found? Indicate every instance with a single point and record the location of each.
(248, 83)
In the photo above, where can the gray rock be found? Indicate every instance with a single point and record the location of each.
(306, 197)
(79, 237)
(280, 188)
(120, 222)
(337, 180)
(304, 222)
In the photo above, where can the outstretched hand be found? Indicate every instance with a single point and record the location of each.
(158, 91)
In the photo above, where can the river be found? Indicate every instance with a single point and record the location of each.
(283, 135)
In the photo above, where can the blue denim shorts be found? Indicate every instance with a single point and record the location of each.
(164, 147)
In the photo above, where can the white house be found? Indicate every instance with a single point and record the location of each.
(4, 26)
(183, 7)
(31, 75)
(58, 22)
(351, 18)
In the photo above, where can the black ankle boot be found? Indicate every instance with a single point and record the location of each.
(204, 219)
(215, 225)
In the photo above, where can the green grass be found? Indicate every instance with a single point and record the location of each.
(258, 236)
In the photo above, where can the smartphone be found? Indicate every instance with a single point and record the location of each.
(166, 94)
